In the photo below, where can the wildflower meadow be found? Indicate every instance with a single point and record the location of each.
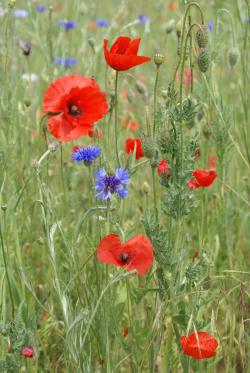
(124, 186)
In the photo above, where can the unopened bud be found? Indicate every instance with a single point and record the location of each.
(141, 88)
(91, 42)
(202, 36)
(12, 3)
(233, 56)
(145, 188)
(149, 146)
(178, 28)
(170, 26)
(204, 59)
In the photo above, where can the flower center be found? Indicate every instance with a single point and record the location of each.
(111, 183)
(74, 110)
(124, 258)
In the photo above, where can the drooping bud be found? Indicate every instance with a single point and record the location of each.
(91, 42)
(158, 59)
(170, 25)
(178, 28)
(204, 59)
(141, 88)
(233, 56)
(202, 36)
(145, 188)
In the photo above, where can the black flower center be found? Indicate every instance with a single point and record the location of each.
(74, 110)
(124, 258)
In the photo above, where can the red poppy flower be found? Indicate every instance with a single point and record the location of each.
(125, 332)
(203, 179)
(95, 133)
(163, 168)
(212, 162)
(73, 103)
(171, 6)
(131, 124)
(27, 351)
(130, 146)
(199, 345)
(137, 253)
(123, 53)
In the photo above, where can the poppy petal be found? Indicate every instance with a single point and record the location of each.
(107, 249)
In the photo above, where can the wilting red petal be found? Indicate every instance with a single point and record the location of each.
(137, 253)
(130, 146)
(199, 345)
(123, 54)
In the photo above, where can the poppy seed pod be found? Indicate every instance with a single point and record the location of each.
(202, 36)
(158, 59)
(204, 59)
(233, 56)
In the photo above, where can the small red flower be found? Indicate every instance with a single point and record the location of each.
(197, 153)
(73, 103)
(131, 124)
(212, 162)
(130, 146)
(27, 351)
(195, 255)
(137, 253)
(171, 6)
(95, 133)
(123, 53)
(199, 345)
(125, 332)
(163, 168)
(203, 179)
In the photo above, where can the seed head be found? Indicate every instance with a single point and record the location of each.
(158, 59)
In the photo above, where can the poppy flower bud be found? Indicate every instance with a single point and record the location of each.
(204, 59)
(91, 42)
(170, 26)
(178, 28)
(149, 146)
(141, 88)
(202, 36)
(233, 56)
(158, 59)
(12, 3)
(145, 188)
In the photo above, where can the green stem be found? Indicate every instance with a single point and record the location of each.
(116, 119)
(155, 96)
(7, 274)
(154, 192)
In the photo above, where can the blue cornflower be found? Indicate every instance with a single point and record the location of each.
(86, 154)
(107, 185)
(102, 23)
(68, 25)
(210, 26)
(66, 62)
(20, 13)
(142, 18)
(41, 8)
